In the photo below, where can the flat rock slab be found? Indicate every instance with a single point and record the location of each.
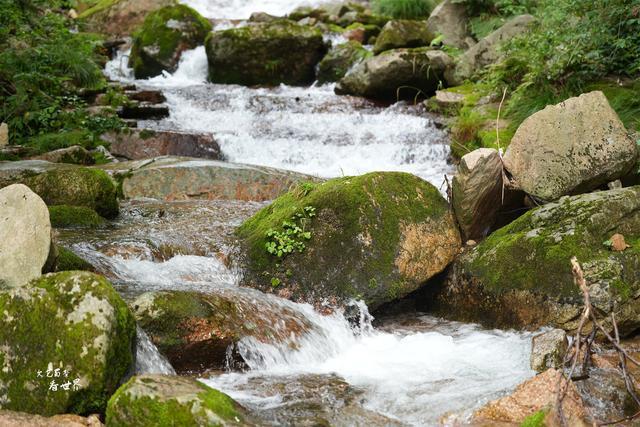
(146, 144)
(11, 172)
(184, 178)
(26, 235)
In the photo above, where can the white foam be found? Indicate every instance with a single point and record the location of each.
(242, 9)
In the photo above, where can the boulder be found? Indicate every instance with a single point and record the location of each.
(265, 54)
(145, 144)
(164, 35)
(76, 155)
(360, 32)
(150, 96)
(477, 192)
(65, 216)
(143, 111)
(182, 178)
(548, 350)
(398, 73)
(148, 400)
(570, 148)
(403, 33)
(67, 260)
(66, 341)
(26, 235)
(17, 171)
(449, 19)
(91, 188)
(486, 51)
(339, 60)
(198, 331)
(534, 398)
(262, 17)
(4, 134)
(520, 276)
(375, 237)
(21, 419)
(120, 18)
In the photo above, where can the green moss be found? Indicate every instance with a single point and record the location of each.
(164, 33)
(147, 133)
(52, 323)
(339, 60)
(207, 407)
(535, 420)
(356, 234)
(74, 216)
(69, 261)
(95, 7)
(90, 188)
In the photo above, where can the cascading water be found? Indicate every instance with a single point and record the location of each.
(394, 374)
(148, 358)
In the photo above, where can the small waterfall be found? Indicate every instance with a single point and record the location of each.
(242, 9)
(148, 358)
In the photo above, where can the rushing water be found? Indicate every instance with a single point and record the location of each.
(404, 371)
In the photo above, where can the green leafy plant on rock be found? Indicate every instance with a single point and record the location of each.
(291, 238)
(405, 9)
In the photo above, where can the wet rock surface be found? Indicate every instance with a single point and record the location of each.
(145, 144)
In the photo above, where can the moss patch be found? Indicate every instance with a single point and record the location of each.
(70, 321)
(90, 188)
(74, 216)
(357, 238)
(339, 60)
(68, 261)
(164, 35)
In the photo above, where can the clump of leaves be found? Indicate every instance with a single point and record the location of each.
(292, 236)
(404, 9)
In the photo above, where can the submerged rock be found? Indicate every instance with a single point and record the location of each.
(146, 144)
(265, 54)
(65, 343)
(486, 51)
(339, 60)
(183, 178)
(398, 73)
(198, 332)
(520, 276)
(169, 400)
(450, 20)
(164, 35)
(548, 350)
(569, 148)
(26, 235)
(403, 33)
(477, 192)
(375, 237)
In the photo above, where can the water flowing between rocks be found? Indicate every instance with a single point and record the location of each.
(410, 370)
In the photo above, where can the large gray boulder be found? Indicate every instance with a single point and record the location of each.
(267, 53)
(450, 20)
(26, 235)
(66, 342)
(569, 148)
(403, 33)
(487, 50)
(520, 276)
(477, 192)
(398, 73)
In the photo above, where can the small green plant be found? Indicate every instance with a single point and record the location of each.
(404, 9)
(275, 282)
(292, 236)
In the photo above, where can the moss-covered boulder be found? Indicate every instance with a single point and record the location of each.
(403, 33)
(265, 54)
(67, 260)
(117, 18)
(75, 155)
(398, 74)
(520, 276)
(164, 35)
(66, 341)
(74, 216)
(197, 331)
(91, 188)
(339, 60)
(375, 237)
(158, 400)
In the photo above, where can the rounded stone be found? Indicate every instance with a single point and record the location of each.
(26, 235)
